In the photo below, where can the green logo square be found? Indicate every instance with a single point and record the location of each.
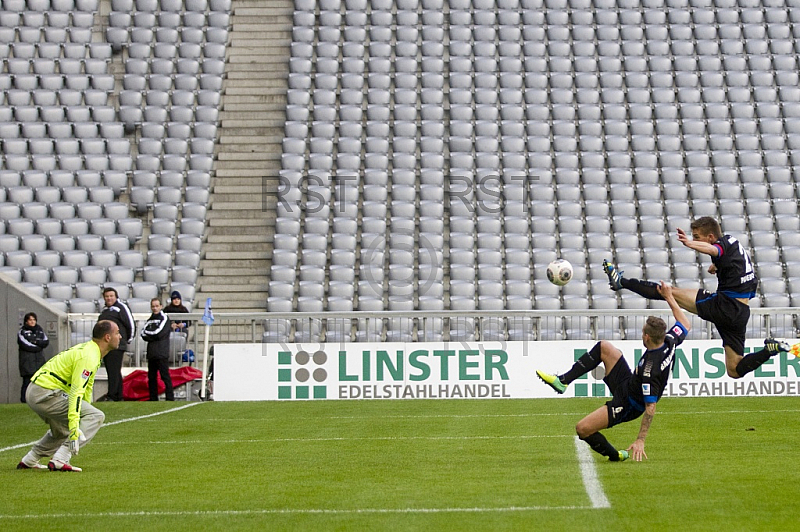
(301, 392)
(284, 392)
(320, 392)
(581, 390)
(284, 375)
(598, 390)
(284, 357)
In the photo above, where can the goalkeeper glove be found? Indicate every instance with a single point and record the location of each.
(74, 437)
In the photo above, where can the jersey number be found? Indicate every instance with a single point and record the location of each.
(748, 266)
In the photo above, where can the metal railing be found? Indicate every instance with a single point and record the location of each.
(497, 325)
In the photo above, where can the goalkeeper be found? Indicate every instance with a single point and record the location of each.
(61, 393)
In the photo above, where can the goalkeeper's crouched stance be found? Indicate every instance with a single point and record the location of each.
(61, 393)
(634, 393)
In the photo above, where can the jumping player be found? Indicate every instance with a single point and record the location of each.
(634, 394)
(729, 308)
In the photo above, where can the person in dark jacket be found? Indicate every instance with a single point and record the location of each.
(118, 312)
(176, 306)
(31, 340)
(156, 333)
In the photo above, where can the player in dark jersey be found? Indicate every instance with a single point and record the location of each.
(729, 307)
(633, 394)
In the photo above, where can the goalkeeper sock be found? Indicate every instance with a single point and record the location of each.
(63, 454)
(752, 361)
(646, 289)
(586, 363)
(601, 445)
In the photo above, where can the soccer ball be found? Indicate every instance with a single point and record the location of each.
(559, 272)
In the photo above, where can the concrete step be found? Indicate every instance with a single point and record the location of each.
(237, 151)
(226, 175)
(273, 96)
(236, 240)
(231, 288)
(239, 189)
(253, 299)
(228, 232)
(256, 205)
(251, 218)
(236, 280)
(251, 246)
(210, 272)
(238, 255)
(256, 136)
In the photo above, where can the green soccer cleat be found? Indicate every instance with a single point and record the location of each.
(774, 346)
(623, 455)
(553, 381)
(614, 275)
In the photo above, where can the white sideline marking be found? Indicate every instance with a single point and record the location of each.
(290, 511)
(23, 445)
(137, 418)
(377, 438)
(589, 473)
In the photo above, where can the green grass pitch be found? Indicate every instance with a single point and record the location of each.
(715, 464)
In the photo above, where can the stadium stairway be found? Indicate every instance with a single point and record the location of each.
(241, 218)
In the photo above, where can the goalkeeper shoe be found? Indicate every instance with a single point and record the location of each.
(774, 346)
(614, 275)
(553, 381)
(58, 465)
(623, 455)
(37, 465)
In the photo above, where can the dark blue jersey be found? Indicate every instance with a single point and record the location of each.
(651, 374)
(736, 276)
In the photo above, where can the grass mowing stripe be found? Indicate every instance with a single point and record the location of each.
(137, 418)
(291, 511)
(594, 489)
(311, 440)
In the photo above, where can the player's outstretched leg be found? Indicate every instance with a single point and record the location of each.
(586, 363)
(552, 380)
(776, 346)
(601, 445)
(614, 275)
(646, 289)
(754, 360)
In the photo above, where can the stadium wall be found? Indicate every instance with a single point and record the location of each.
(14, 304)
(464, 370)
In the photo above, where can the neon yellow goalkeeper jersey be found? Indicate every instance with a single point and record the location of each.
(73, 372)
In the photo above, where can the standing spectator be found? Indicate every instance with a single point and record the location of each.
(118, 312)
(61, 394)
(156, 333)
(32, 340)
(176, 306)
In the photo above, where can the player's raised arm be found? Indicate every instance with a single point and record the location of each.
(700, 246)
(666, 292)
